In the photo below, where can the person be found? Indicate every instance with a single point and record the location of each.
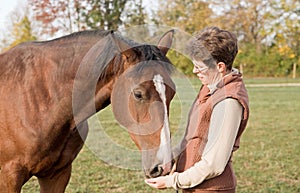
(217, 118)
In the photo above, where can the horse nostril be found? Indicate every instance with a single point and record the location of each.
(156, 171)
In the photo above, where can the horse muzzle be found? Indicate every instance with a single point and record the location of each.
(158, 170)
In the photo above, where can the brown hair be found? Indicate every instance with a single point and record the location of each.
(213, 45)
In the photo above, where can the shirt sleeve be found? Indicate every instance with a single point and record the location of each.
(223, 129)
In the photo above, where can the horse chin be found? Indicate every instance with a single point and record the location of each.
(168, 168)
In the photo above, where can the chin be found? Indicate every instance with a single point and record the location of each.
(203, 82)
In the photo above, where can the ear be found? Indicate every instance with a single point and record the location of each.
(221, 67)
(165, 41)
(122, 46)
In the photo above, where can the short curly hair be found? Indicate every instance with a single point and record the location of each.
(213, 45)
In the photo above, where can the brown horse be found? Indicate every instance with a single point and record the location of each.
(49, 90)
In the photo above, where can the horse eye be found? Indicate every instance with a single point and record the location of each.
(138, 94)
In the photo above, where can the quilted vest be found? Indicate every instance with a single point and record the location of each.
(196, 134)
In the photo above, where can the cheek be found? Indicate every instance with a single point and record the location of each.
(200, 76)
(150, 141)
(203, 78)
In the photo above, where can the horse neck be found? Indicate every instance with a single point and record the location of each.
(94, 80)
(68, 58)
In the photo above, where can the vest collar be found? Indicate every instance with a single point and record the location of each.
(207, 90)
(213, 87)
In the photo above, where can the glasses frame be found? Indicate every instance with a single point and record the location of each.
(198, 68)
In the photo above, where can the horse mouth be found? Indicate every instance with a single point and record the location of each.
(157, 171)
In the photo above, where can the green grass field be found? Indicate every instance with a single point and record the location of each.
(268, 160)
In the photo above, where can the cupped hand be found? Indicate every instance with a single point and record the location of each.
(159, 182)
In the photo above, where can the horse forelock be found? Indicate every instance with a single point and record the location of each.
(150, 57)
(146, 56)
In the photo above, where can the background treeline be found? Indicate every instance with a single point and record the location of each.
(268, 30)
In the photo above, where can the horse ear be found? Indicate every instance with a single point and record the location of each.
(122, 46)
(165, 41)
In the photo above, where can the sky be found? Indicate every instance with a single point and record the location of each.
(6, 7)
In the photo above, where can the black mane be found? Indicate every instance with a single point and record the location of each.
(144, 52)
(108, 59)
(86, 33)
(148, 53)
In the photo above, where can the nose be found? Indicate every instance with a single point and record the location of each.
(156, 171)
(195, 70)
(159, 170)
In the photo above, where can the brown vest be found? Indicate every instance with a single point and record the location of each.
(196, 134)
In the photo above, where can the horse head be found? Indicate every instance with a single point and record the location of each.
(140, 101)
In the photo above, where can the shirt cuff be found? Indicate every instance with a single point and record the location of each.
(171, 181)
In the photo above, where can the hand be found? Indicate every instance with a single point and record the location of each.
(159, 182)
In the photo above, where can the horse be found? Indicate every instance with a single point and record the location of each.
(50, 88)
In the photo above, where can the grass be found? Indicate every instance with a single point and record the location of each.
(269, 157)
(271, 80)
(267, 161)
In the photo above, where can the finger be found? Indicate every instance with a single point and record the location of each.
(173, 169)
(150, 181)
(152, 184)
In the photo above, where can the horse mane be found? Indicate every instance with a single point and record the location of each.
(85, 33)
(148, 53)
(103, 60)
(109, 58)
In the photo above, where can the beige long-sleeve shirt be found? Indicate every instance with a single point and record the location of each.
(225, 120)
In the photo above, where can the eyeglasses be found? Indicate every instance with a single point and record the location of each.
(198, 68)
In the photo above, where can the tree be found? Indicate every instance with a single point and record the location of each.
(66, 16)
(187, 15)
(246, 18)
(135, 23)
(57, 16)
(268, 33)
(22, 32)
(136, 15)
(105, 14)
(286, 27)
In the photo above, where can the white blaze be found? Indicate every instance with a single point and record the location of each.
(164, 152)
